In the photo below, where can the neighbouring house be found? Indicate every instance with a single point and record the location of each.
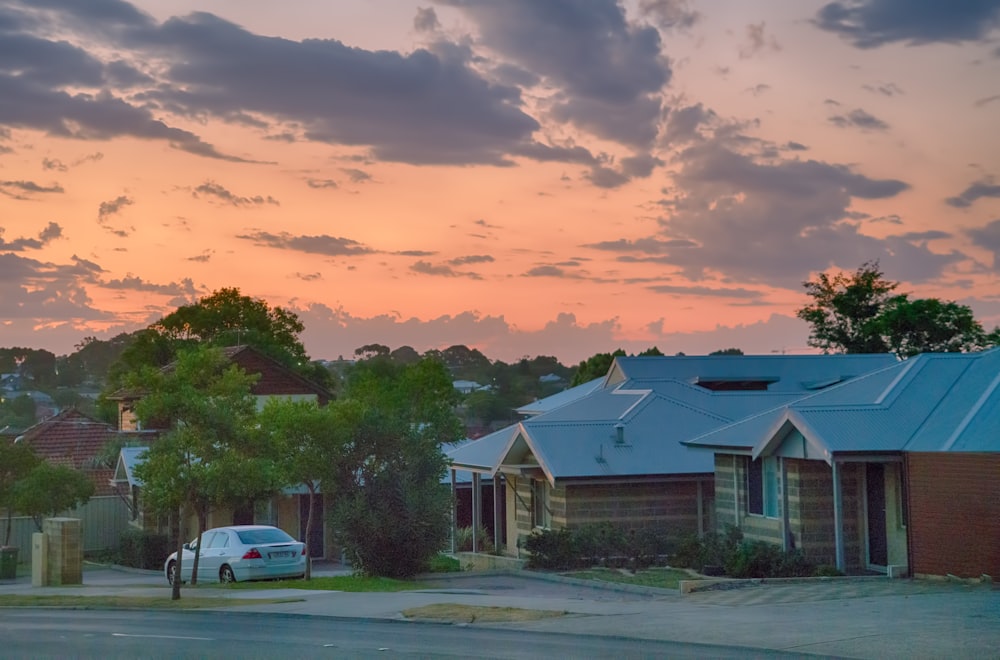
(896, 471)
(76, 440)
(289, 510)
(612, 452)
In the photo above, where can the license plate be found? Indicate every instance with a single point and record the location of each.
(278, 555)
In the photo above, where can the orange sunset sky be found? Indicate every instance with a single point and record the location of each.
(529, 178)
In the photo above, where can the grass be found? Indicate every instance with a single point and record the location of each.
(130, 602)
(455, 613)
(353, 583)
(663, 578)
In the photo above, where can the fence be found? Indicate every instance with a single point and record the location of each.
(103, 520)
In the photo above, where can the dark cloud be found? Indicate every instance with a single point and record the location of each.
(684, 124)
(758, 41)
(885, 89)
(669, 14)
(204, 257)
(113, 207)
(704, 291)
(795, 146)
(416, 253)
(321, 183)
(986, 100)
(555, 153)
(646, 245)
(53, 164)
(330, 246)
(214, 190)
(988, 238)
(873, 23)
(356, 175)
(471, 259)
(858, 118)
(308, 277)
(51, 232)
(640, 165)
(975, 191)
(605, 177)
(426, 20)
(22, 189)
(442, 270)
(607, 73)
(551, 271)
(758, 89)
(185, 287)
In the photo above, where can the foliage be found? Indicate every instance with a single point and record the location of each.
(593, 367)
(140, 548)
(16, 462)
(727, 351)
(741, 558)
(858, 313)
(48, 490)
(390, 509)
(463, 539)
(596, 544)
(441, 563)
(36, 366)
(17, 413)
(660, 578)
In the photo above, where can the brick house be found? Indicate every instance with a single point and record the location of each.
(288, 510)
(895, 471)
(614, 453)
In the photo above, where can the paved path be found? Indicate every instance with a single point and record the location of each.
(874, 618)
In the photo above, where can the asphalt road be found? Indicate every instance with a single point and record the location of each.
(44, 633)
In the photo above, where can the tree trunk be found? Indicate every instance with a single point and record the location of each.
(309, 527)
(10, 523)
(176, 528)
(202, 519)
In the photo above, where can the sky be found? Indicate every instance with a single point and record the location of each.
(527, 178)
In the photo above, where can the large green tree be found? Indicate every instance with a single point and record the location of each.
(860, 313)
(208, 456)
(390, 509)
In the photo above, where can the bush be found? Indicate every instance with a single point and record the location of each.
(463, 539)
(596, 544)
(740, 558)
(441, 563)
(143, 549)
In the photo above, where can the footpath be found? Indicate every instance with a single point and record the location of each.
(873, 618)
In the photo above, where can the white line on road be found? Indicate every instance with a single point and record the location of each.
(199, 639)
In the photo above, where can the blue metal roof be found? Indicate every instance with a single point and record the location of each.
(483, 454)
(550, 403)
(931, 402)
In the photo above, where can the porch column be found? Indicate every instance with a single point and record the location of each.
(701, 512)
(454, 513)
(786, 541)
(838, 517)
(497, 529)
(477, 506)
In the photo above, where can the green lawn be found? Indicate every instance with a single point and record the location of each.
(354, 583)
(663, 578)
(130, 602)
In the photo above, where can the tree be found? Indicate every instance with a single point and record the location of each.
(16, 461)
(18, 413)
(858, 313)
(201, 461)
(48, 490)
(310, 440)
(727, 351)
(391, 510)
(845, 309)
(593, 367)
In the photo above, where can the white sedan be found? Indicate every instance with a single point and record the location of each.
(240, 553)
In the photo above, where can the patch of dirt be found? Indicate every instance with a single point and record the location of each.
(455, 613)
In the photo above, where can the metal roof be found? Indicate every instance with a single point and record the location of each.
(931, 402)
(550, 403)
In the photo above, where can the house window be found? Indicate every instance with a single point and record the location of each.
(762, 487)
(541, 514)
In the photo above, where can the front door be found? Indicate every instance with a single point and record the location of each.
(315, 541)
(875, 496)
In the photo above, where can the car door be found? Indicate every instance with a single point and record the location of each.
(214, 555)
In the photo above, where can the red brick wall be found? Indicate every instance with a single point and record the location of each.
(954, 513)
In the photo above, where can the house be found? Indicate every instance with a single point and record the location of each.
(612, 453)
(288, 510)
(896, 471)
(76, 440)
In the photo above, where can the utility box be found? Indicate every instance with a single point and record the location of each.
(8, 562)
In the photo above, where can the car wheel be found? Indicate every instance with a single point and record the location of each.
(171, 572)
(226, 575)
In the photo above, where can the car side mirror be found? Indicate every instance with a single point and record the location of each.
(187, 546)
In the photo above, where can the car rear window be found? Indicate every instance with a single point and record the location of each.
(254, 536)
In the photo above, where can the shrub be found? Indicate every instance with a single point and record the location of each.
(442, 563)
(551, 548)
(143, 549)
(595, 544)
(463, 539)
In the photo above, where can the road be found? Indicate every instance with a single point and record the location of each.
(106, 634)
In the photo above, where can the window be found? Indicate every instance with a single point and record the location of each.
(540, 513)
(220, 540)
(762, 487)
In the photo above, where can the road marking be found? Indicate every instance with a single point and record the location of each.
(199, 639)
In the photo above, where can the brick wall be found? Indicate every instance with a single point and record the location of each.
(954, 525)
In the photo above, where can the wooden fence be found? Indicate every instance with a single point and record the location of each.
(103, 520)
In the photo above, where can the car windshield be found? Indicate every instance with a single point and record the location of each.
(255, 536)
